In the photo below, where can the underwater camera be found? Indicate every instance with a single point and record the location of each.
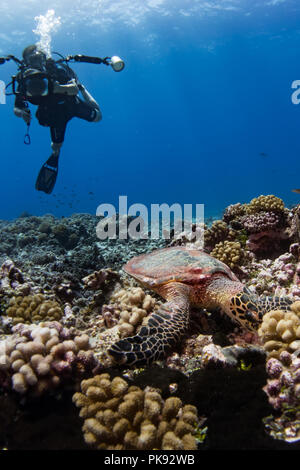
(35, 83)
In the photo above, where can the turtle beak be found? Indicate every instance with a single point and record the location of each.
(253, 319)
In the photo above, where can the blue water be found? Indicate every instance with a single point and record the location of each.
(205, 91)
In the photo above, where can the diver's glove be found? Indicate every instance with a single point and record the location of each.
(71, 88)
(23, 113)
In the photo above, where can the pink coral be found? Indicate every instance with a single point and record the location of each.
(284, 375)
(262, 222)
(279, 276)
(39, 357)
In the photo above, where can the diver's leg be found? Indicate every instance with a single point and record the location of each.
(48, 173)
(57, 138)
(56, 146)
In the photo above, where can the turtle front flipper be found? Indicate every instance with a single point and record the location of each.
(164, 329)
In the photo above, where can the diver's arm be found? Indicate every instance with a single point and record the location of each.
(69, 88)
(88, 97)
(90, 101)
(21, 110)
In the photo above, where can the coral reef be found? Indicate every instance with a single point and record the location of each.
(192, 237)
(268, 203)
(97, 279)
(230, 253)
(57, 275)
(262, 222)
(233, 213)
(39, 358)
(280, 330)
(130, 306)
(283, 391)
(217, 233)
(33, 308)
(120, 417)
(263, 227)
(278, 276)
(56, 254)
(266, 242)
(265, 224)
(10, 276)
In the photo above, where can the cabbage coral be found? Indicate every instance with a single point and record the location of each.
(280, 330)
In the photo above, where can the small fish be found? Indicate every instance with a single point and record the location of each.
(263, 154)
(296, 191)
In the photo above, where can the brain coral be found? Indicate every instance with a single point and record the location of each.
(280, 330)
(40, 357)
(268, 203)
(230, 253)
(33, 308)
(119, 417)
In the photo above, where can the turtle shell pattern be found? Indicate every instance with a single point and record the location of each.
(178, 264)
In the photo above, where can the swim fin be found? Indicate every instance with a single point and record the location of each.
(47, 176)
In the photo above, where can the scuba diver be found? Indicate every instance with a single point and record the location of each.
(54, 87)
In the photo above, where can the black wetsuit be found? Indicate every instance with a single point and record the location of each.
(56, 110)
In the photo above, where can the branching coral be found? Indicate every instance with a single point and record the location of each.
(98, 279)
(38, 358)
(118, 416)
(280, 330)
(33, 308)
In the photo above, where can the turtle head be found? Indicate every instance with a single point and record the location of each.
(236, 300)
(246, 309)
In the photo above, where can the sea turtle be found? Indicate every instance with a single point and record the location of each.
(185, 278)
